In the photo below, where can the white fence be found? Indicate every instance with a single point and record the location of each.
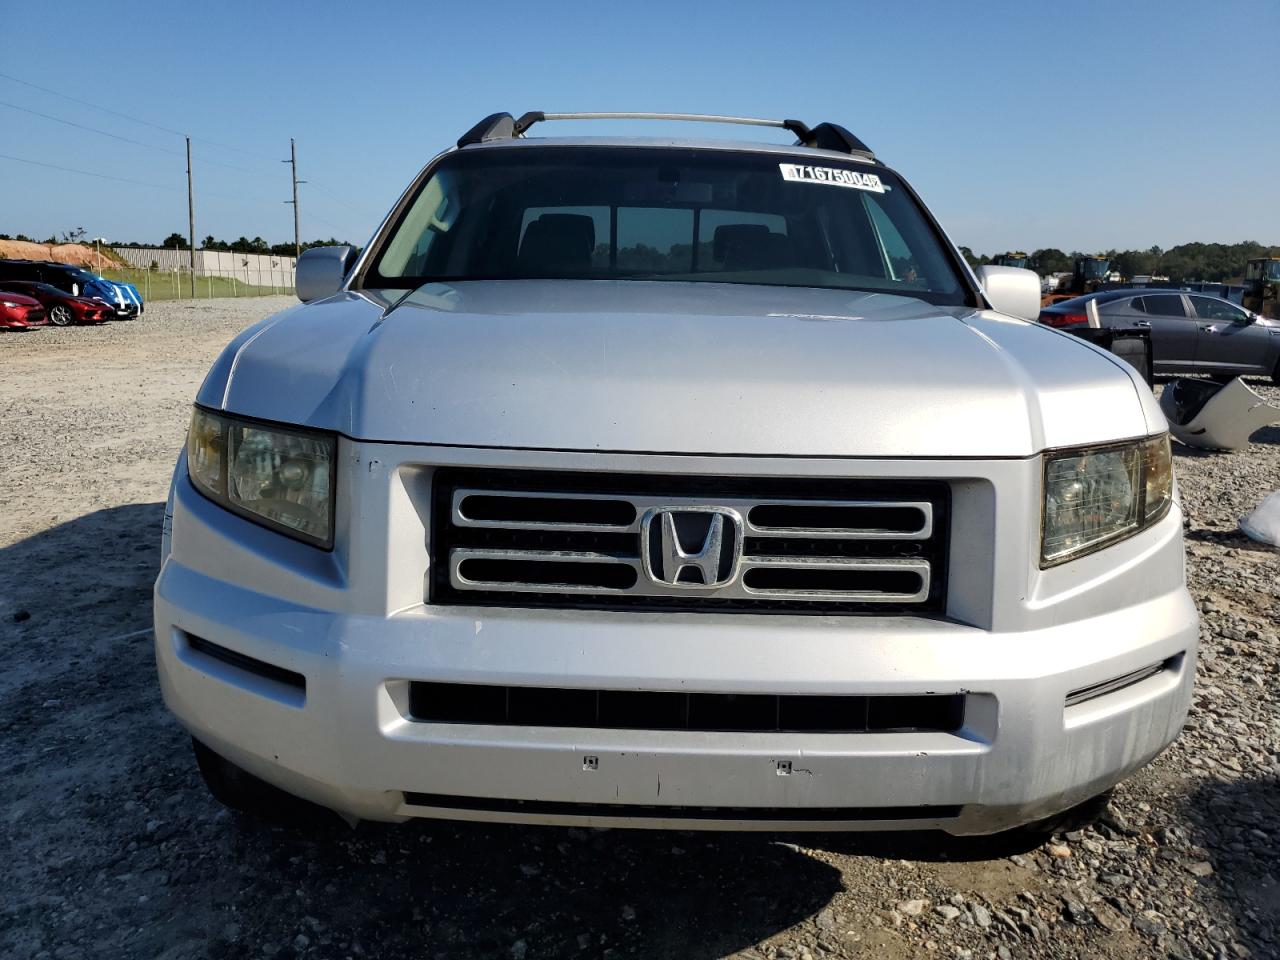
(255, 269)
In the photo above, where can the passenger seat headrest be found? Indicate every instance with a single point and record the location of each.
(558, 241)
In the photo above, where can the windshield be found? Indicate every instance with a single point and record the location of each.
(610, 213)
(1094, 269)
(1273, 270)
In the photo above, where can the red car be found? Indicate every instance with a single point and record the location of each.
(62, 307)
(20, 313)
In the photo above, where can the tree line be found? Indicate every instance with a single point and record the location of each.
(1211, 262)
(176, 241)
(243, 245)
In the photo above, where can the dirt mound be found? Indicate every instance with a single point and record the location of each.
(74, 253)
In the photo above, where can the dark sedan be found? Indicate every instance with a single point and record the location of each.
(63, 309)
(1190, 332)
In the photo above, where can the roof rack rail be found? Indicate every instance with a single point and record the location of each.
(825, 136)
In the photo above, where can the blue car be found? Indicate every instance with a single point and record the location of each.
(123, 297)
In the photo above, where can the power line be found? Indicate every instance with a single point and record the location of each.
(327, 223)
(126, 116)
(95, 106)
(227, 146)
(87, 173)
(138, 183)
(334, 197)
(81, 126)
(154, 186)
(139, 143)
(177, 153)
(151, 146)
(230, 166)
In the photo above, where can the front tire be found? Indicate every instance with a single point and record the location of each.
(60, 316)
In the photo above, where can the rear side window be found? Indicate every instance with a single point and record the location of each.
(1121, 305)
(654, 240)
(1164, 305)
(17, 271)
(55, 278)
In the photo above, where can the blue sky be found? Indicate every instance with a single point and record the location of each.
(1095, 125)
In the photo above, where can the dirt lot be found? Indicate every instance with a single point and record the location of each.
(112, 848)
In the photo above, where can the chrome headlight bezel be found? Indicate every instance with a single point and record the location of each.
(1149, 464)
(211, 440)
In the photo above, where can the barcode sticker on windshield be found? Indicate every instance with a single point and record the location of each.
(836, 177)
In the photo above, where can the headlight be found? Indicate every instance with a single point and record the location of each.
(276, 476)
(9, 303)
(1098, 496)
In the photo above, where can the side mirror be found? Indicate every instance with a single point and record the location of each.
(1012, 291)
(321, 271)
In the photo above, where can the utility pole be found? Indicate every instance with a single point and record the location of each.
(293, 164)
(191, 222)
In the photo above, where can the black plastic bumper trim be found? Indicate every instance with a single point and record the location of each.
(261, 668)
(638, 811)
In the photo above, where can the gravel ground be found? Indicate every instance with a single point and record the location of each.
(113, 848)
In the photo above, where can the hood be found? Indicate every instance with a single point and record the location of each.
(129, 292)
(699, 368)
(99, 286)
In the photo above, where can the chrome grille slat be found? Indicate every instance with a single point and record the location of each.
(459, 556)
(579, 537)
(462, 520)
(923, 532)
(743, 505)
(919, 567)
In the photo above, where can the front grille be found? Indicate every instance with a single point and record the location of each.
(665, 710)
(601, 541)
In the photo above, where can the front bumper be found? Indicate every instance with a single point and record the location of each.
(344, 736)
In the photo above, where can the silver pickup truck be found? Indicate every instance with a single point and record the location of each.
(671, 483)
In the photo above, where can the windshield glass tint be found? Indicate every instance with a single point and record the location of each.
(666, 214)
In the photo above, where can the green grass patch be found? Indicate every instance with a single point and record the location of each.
(161, 285)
